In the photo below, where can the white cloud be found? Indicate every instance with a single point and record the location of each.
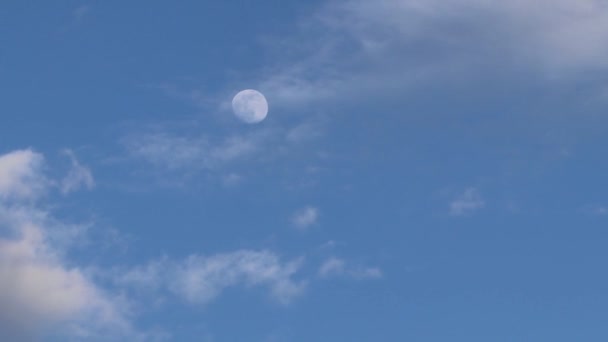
(39, 292)
(305, 217)
(351, 47)
(200, 279)
(44, 294)
(175, 152)
(79, 176)
(333, 267)
(467, 203)
(20, 175)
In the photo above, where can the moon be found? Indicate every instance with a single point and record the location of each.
(250, 106)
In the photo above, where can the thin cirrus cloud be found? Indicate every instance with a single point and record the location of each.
(200, 279)
(180, 152)
(175, 152)
(358, 46)
(467, 203)
(334, 267)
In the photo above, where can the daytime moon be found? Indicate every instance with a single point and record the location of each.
(250, 106)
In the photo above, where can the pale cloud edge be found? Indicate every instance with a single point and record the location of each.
(467, 203)
(305, 217)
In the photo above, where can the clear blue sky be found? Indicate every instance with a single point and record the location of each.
(428, 171)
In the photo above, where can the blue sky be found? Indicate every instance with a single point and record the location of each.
(428, 171)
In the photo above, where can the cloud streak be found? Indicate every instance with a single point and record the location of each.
(336, 267)
(351, 47)
(178, 152)
(200, 279)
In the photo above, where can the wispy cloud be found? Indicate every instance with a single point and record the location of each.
(353, 47)
(227, 157)
(333, 267)
(174, 152)
(467, 203)
(200, 279)
(304, 132)
(78, 177)
(306, 217)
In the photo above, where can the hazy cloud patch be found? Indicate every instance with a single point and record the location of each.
(467, 203)
(335, 267)
(305, 217)
(79, 176)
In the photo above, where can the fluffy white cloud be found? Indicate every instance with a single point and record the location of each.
(40, 292)
(467, 203)
(43, 293)
(305, 217)
(200, 279)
